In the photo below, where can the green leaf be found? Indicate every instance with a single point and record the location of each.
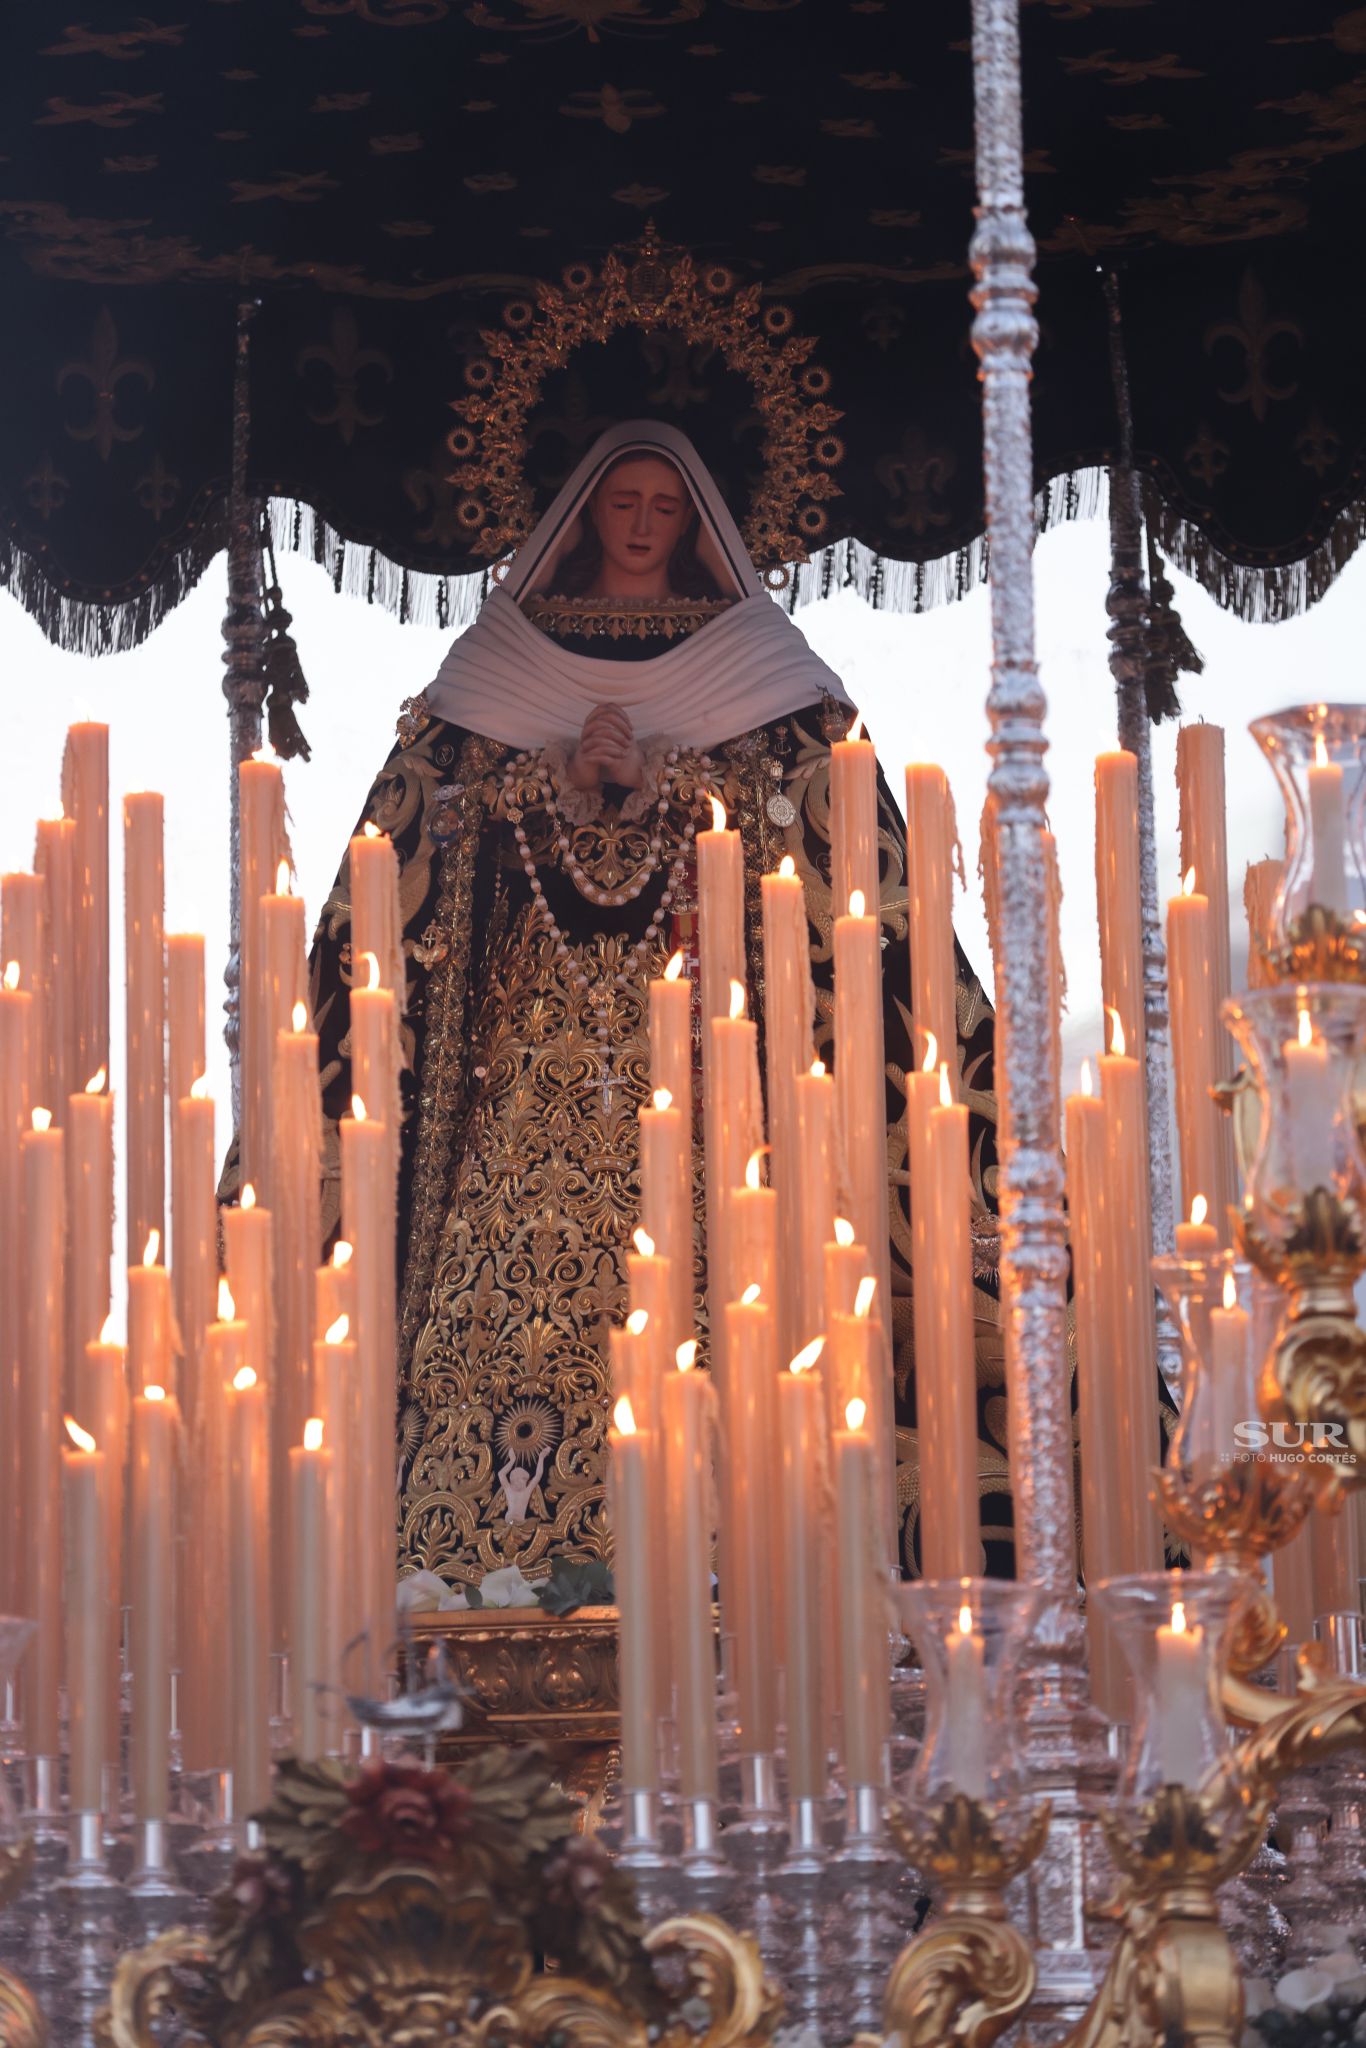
(571, 1586)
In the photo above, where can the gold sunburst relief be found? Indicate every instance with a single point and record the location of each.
(649, 287)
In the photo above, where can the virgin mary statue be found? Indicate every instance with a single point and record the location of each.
(543, 798)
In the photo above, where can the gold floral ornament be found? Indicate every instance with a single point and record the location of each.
(651, 287)
(442, 1910)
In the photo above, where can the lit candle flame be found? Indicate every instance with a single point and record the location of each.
(637, 1321)
(856, 729)
(313, 1433)
(1088, 1086)
(298, 1016)
(80, 1437)
(338, 1332)
(341, 1254)
(199, 1087)
(1320, 751)
(151, 1251)
(107, 1335)
(856, 902)
(1188, 882)
(11, 974)
(266, 752)
(371, 969)
(42, 1119)
(718, 814)
(1118, 1042)
(965, 1620)
(95, 1085)
(752, 1165)
(844, 1231)
(624, 1416)
(787, 866)
(674, 967)
(751, 1293)
(808, 1355)
(643, 1242)
(863, 1300)
(817, 1068)
(227, 1307)
(1178, 1617)
(685, 1358)
(370, 830)
(154, 1393)
(1306, 1028)
(662, 1098)
(358, 1110)
(282, 887)
(855, 1413)
(945, 1089)
(1230, 1291)
(931, 1059)
(57, 817)
(1199, 1209)
(243, 1378)
(737, 1000)
(248, 1197)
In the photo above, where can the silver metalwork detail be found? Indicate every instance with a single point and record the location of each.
(1034, 1249)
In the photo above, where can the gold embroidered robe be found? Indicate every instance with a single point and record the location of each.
(519, 1179)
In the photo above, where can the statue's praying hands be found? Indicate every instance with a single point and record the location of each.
(607, 751)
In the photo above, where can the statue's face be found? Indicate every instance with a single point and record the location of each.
(640, 512)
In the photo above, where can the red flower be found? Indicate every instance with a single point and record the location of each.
(405, 1813)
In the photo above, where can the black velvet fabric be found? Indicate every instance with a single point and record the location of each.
(384, 175)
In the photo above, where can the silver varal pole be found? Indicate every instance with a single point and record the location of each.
(243, 662)
(1127, 605)
(1063, 1740)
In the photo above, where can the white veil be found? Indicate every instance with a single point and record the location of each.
(744, 668)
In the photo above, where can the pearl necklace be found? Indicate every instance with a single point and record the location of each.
(570, 959)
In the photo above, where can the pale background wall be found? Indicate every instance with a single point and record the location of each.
(922, 682)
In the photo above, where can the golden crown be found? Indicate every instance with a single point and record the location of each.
(649, 286)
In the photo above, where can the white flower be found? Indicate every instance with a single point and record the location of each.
(507, 1588)
(1341, 1965)
(420, 1592)
(1303, 1988)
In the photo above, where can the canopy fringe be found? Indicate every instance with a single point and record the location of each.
(1260, 595)
(90, 626)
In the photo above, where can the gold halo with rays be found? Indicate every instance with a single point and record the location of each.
(528, 1426)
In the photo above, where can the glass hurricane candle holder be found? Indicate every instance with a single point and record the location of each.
(964, 1819)
(1178, 1812)
(1318, 921)
(1304, 1216)
(1228, 1489)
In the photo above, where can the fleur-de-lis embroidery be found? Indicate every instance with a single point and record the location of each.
(104, 373)
(675, 362)
(1319, 446)
(46, 488)
(913, 478)
(1207, 456)
(1253, 332)
(158, 490)
(347, 361)
(618, 110)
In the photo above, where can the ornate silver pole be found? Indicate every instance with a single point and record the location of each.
(1061, 1744)
(1127, 605)
(243, 659)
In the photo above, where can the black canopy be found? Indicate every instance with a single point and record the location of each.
(384, 176)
